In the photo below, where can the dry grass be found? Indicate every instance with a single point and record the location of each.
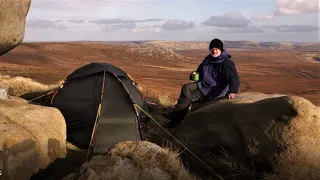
(311, 57)
(228, 165)
(153, 96)
(133, 160)
(148, 155)
(317, 57)
(71, 146)
(19, 86)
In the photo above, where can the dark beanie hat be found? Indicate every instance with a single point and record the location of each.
(216, 43)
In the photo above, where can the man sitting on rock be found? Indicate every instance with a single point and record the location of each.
(218, 78)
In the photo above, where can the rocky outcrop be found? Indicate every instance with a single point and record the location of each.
(31, 137)
(276, 133)
(133, 160)
(12, 23)
(159, 52)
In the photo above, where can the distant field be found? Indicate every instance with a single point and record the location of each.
(164, 70)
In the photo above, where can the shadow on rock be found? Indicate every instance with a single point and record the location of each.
(19, 161)
(251, 136)
(62, 166)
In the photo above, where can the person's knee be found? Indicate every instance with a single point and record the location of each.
(186, 87)
(187, 90)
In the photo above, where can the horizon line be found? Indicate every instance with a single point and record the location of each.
(57, 41)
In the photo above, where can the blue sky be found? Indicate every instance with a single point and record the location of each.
(189, 20)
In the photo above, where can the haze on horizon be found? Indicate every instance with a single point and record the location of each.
(187, 20)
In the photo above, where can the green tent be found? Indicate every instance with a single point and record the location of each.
(97, 102)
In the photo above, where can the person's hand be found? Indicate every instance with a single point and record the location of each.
(232, 96)
(190, 76)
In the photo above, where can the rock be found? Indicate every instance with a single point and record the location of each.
(18, 151)
(4, 93)
(12, 23)
(135, 161)
(159, 52)
(278, 134)
(31, 137)
(61, 167)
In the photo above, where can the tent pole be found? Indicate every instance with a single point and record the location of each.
(132, 103)
(56, 91)
(97, 116)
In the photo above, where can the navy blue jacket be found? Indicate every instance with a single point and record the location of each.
(218, 76)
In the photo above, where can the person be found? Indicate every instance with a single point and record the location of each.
(218, 78)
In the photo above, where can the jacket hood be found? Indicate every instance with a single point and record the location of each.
(220, 58)
(225, 53)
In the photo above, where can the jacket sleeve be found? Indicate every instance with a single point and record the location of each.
(232, 77)
(199, 67)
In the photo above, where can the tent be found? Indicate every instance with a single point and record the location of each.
(97, 102)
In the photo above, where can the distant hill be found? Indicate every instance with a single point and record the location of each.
(235, 45)
(203, 45)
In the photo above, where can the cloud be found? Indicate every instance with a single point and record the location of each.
(92, 6)
(177, 24)
(248, 29)
(293, 28)
(119, 21)
(123, 25)
(138, 2)
(44, 24)
(291, 8)
(263, 18)
(61, 26)
(131, 28)
(41, 24)
(82, 4)
(84, 9)
(76, 21)
(127, 25)
(295, 7)
(153, 29)
(229, 19)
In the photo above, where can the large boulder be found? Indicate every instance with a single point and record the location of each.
(31, 137)
(255, 133)
(12, 23)
(133, 160)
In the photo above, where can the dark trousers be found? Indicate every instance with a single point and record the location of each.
(189, 93)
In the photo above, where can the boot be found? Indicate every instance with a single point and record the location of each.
(175, 117)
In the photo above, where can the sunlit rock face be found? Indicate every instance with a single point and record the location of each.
(13, 15)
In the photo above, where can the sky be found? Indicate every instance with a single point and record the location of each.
(180, 20)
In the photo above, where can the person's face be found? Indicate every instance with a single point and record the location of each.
(215, 52)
